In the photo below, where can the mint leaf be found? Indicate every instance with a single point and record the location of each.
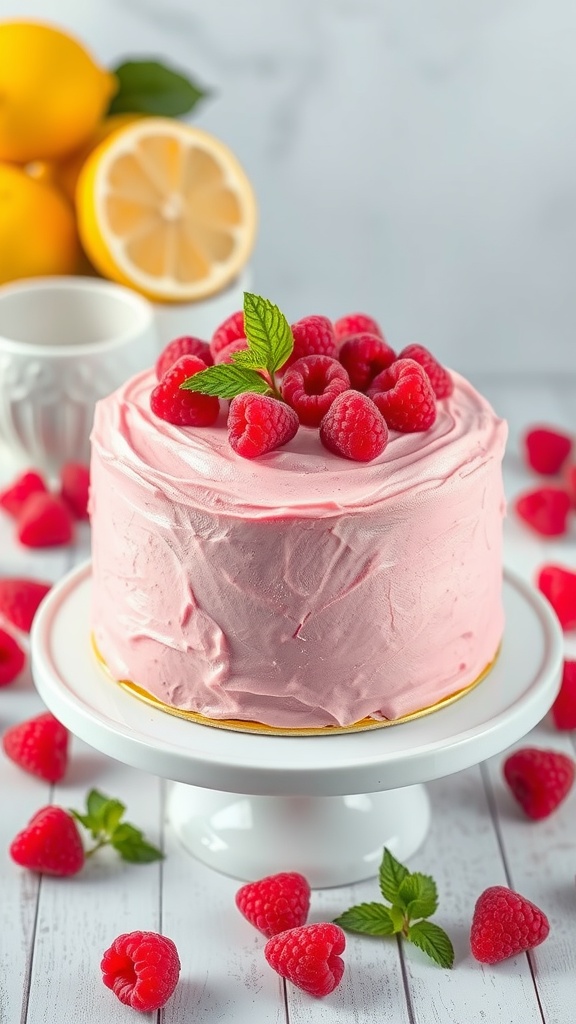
(270, 340)
(148, 87)
(368, 918)
(129, 842)
(418, 895)
(397, 917)
(102, 813)
(391, 875)
(103, 820)
(433, 941)
(95, 803)
(226, 381)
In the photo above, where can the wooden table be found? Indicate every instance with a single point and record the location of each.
(53, 931)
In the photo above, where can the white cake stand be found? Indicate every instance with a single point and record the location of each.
(250, 805)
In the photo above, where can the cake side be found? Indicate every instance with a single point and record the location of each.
(299, 590)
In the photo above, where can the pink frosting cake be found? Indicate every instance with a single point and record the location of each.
(298, 589)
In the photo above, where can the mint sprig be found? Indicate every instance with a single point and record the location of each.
(103, 819)
(413, 898)
(269, 345)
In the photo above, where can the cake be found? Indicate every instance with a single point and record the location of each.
(299, 590)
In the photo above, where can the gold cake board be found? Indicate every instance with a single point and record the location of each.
(236, 725)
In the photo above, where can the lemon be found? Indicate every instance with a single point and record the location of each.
(65, 173)
(37, 228)
(52, 93)
(167, 209)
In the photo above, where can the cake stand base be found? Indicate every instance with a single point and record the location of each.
(253, 804)
(252, 836)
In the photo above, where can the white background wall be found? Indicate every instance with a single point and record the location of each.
(413, 158)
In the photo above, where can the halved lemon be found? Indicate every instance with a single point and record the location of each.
(166, 208)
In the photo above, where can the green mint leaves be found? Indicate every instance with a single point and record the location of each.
(148, 87)
(270, 344)
(103, 819)
(413, 898)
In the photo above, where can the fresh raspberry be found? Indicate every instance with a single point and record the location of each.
(50, 843)
(19, 600)
(224, 354)
(45, 522)
(142, 969)
(545, 510)
(258, 424)
(14, 497)
(176, 405)
(230, 330)
(539, 779)
(404, 396)
(439, 377)
(309, 957)
(275, 903)
(12, 658)
(313, 336)
(39, 746)
(74, 488)
(559, 586)
(564, 707)
(311, 384)
(354, 428)
(505, 924)
(546, 449)
(183, 346)
(356, 323)
(364, 356)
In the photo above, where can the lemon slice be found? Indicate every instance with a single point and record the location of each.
(167, 209)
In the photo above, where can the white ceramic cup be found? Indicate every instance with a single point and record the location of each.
(65, 342)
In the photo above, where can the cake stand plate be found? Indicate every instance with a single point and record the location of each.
(250, 805)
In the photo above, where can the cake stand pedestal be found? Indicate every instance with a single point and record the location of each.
(250, 805)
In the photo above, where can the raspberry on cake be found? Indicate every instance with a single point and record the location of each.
(364, 356)
(404, 396)
(311, 384)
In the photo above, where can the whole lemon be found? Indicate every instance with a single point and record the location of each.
(37, 228)
(52, 93)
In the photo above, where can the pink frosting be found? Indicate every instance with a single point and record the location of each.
(297, 589)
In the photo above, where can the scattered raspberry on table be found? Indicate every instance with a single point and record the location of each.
(12, 658)
(39, 746)
(142, 969)
(45, 521)
(546, 449)
(564, 707)
(19, 600)
(50, 844)
(559, 586)
(14, 497)
(539, 779)
(545, 510)
(275, 903)
(505, 924)
(309, 957)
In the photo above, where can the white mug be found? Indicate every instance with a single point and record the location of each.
(65, 342)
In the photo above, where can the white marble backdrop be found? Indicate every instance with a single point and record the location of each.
(413, 158)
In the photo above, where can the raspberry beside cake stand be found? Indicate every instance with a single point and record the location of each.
(250, 805)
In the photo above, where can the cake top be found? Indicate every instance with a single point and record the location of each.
(302, 477)
(303, 420)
